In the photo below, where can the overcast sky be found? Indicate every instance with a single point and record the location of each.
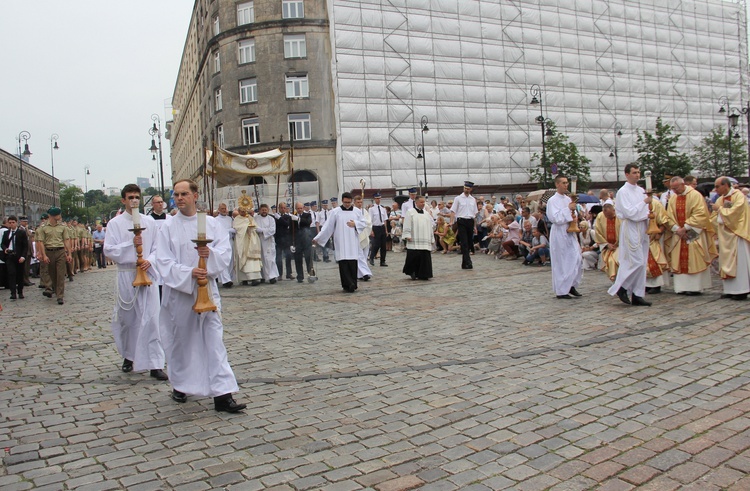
(92, 71)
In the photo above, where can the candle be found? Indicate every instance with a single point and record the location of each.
(201, 224)
(573, 182)
(136, 217)
(648, 180)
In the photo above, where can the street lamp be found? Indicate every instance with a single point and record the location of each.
(25, 136)
(52, 148)
(733, 116)
(155, 132)
(613, 152)
(422, 154)
(86, 190)
(543, 122)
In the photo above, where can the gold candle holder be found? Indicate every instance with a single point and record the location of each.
(653, 228)
(203, 302)
(573, 227)
(141, 278)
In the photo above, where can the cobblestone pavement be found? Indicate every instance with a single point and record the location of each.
(475, 380)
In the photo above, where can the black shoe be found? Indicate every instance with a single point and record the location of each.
(326, 260)
(28, 283)
(159, 374)
(47, 294)
(12, 296)
(127, 366)
(227, 404)
(413, 276)
(70, 278)
(300, 280)
(289, 277)
(574, 292)
(20, 295)
(40, 286)
(622, 294)
(60, 301)
(272, 281)
(228, 284)
(372, 263)
(565, 297)
(383, 265)
(692, 294)
(741, 296)
(255, 283)
(366, 277)
(178, 396)
(654, 290)
(640, 301)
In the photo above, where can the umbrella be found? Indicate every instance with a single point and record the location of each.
(705, 188)
(400, 199)
(540, 195)
(587, 198)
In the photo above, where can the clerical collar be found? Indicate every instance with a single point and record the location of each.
(347, 209)
(418, 210)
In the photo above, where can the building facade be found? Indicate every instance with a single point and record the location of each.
(604, 71)
(39, 188)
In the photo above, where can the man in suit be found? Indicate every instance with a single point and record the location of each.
(15, 246)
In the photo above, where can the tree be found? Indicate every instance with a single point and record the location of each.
(658, 153)
(711, 157)
(71, 201)
(564, 154)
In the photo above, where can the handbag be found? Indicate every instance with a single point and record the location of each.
(454, 226)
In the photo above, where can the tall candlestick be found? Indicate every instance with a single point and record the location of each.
(136, 217)
(573, 183)
(201, 224)
(648, 180)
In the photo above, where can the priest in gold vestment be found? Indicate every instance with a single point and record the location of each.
(731, 216)
(690, 249)
(607, 235)
(657, 261)
(247, 250)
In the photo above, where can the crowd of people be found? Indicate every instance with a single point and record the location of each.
(642, 241)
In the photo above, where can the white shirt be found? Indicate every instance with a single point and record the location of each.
(378, 214)
(464, 206)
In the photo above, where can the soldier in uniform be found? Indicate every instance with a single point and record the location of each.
(43, 268)
(54, 245)
(71, 266)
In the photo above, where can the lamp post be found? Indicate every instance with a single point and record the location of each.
(155, 132)
(422, 154)
(25, 136)
(613, 152)
(52, 148)
(733, 116)
(86, 190)
(543, 122)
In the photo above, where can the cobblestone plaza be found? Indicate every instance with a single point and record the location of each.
(474, 380)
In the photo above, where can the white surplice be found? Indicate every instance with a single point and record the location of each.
(363, 268)
(196, 357)
(135, 321)
(564, 249)
(345, 238)
(740, 284)
(633, 250)
(229, 274)
(266, 228)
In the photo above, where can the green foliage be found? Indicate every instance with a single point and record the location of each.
(71, 201)
(658, 153)
(711, 157)
(565, 154)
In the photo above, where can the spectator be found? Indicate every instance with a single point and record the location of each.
(525, 243)
(589, 247)
(539, 249)
(527, 217)
(514, 236)
(496, 235)
(446, 235)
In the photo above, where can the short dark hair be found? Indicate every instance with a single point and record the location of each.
(12, 217)
(130, 188)
(631, 166)
(191, 184)
(527, 209)
(263, 205)
(346, 195)
(560, 176)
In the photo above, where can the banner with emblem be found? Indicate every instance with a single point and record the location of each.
(234, 169)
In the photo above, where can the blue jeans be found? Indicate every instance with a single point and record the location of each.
(538, 254)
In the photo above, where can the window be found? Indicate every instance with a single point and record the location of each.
(292, 9)
(246, 49)
(301, 124)
(216, 25)
(217, 100)
(217, 62)
(296, 87)
(251, 131)
(220, 135)
(248, 90)
(295, 46)
(245, 13)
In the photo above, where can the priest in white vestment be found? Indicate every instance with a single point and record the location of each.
(266, 228)
(363, 268)
(565, 251)
(247, 249)
(732, 217)
(135, 322)
(631, 205)
(196, 357)
(344, 224)
(227, 277)
(419, 236)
